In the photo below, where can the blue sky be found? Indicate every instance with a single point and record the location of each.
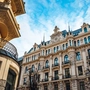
(43, 15)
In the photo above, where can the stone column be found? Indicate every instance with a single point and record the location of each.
(84, 58)
(50, 73)
(60, 63)
(61, 86)
(72, 60)
(2, 84)
(50, 86)
(74, 85)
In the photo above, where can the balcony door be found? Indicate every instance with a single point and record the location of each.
(10, 80)
(46, 76)
(67, 73)
(56, 74)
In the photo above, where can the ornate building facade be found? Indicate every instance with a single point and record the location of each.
(9, 29)
(62, 63)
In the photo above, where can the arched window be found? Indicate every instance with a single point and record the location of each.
(46, 52)
(63, 46)
(78, 42)
(78, 57)
(85, 29)
(66, 45)
(66, 58)
(33, 68)
(70, 42)
(89, 39)
(57, 48)
(26, 69)
(54, 49)
(47, 64)
(85, 40)
(56, 61)
(39, 66)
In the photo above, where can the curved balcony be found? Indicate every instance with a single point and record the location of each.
(8, 49)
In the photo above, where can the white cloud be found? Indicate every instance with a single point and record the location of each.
(33, 32)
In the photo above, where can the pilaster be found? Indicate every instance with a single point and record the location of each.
(2, 84)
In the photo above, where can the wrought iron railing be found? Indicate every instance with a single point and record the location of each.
(55, 64)
(66, 76)
(66, 62)
(8, 49)
(45, 80)
(55, 78)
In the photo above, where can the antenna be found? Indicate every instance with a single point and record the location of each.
(44, 37)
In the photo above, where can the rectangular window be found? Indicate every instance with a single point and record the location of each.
(78, 57)
(80, 71)
(45, 88)
(78, 42)
(75, 43)
(67, 86)
(0, 64)
(82, 85)
(46, 76)
(56, 74)
(67, 73)
(66, 45)
(24, 81)
(56, 87)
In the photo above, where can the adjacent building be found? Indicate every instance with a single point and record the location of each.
(9, 29)
(62, 63)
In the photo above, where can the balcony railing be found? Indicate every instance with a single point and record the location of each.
(66, 76)
(8, 49)
(46, 67)
(55, 78)
(45, 80)
(56, 64)
(66, 62)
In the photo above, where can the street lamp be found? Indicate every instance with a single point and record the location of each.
(33, 79)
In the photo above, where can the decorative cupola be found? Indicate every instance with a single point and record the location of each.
(56, 29)
(85, 27)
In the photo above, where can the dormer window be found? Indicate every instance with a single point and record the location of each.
(85, 29)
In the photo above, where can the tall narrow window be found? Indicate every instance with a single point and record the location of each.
(55, 86)
(89, 39)
(85, 40)
(24, 81)
(47, 64)
(67, 86)
(78, 42)
(48, 51)
(82, 85)
(85, 29)
(46, 76)
(33, 68)
(89, 53)
(66, 59)
(78, 56)
(67, 73)
(63, 46)
(56, 61)
(80, 71)
(54, 50)
(57, 48)
(39, 66)
(56, 74)
(26, 69)
(66, 45)
(74, 43)
(70, 42)
(45, 87)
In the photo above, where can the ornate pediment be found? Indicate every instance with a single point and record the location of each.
(57, 35)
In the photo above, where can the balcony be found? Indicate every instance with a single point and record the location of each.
(55, 65)
(6, 48)
(46, 68)
(66, 76)
(45, 80)
(66, 63)
(55, 78)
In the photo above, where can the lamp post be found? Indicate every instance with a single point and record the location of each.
(33, 79)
